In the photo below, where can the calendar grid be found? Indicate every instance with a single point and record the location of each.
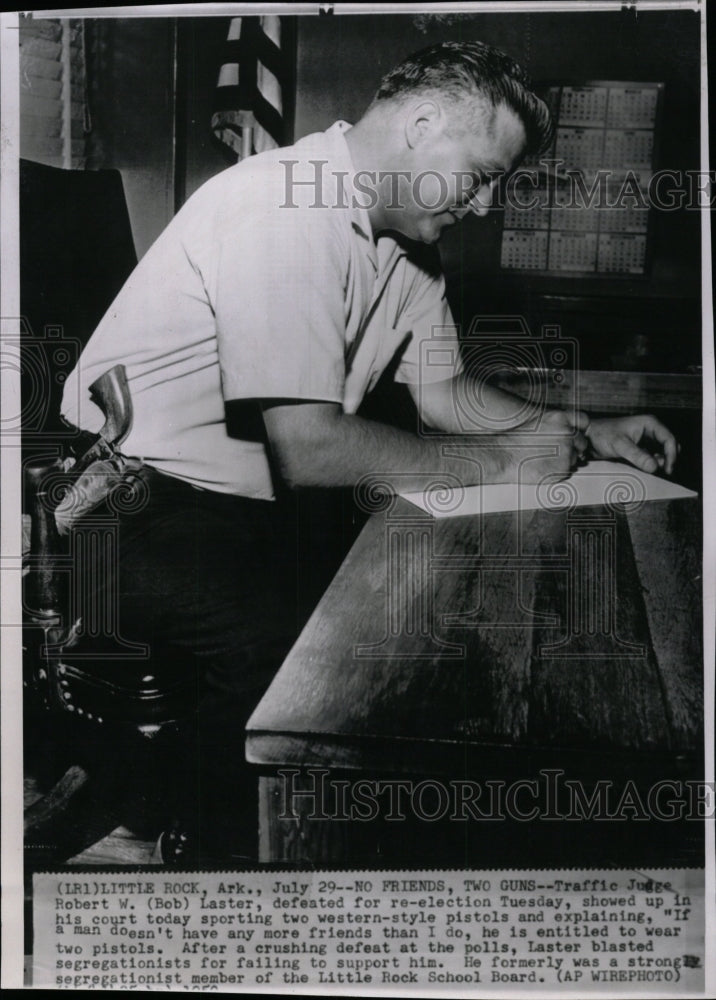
(602, 128)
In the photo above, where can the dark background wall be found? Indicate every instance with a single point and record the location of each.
(201, 48)
(353, 52)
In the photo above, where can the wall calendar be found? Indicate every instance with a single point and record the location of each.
(582, 207)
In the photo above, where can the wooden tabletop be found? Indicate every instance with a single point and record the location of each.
(480, 642)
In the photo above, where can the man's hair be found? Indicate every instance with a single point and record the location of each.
(464, 70)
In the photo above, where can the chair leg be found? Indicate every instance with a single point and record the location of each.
(57, 800)
(86, 804)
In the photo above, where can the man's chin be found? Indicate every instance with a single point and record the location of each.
(430, 237)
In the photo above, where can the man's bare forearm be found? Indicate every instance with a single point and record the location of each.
(318, 445)
(493, 410)
(467, 405)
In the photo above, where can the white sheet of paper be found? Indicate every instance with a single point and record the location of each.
(596, 483)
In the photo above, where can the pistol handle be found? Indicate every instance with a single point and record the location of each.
(111, 393)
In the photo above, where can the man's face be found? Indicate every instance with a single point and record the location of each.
(453, 175)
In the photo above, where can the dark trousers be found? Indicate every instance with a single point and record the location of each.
(212, 578)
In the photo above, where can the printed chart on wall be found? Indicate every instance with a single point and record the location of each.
(581, 207)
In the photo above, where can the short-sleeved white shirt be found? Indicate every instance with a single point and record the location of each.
(261, 287)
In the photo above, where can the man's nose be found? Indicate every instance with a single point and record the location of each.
(481, 202)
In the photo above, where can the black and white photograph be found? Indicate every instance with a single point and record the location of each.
(357, 438)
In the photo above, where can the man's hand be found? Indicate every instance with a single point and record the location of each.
(555, 444)
(625, 437)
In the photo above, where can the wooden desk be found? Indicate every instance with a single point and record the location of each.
(493, 646)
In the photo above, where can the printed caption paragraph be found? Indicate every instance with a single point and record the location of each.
(588, 930)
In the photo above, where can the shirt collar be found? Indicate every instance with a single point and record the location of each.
(360, 220)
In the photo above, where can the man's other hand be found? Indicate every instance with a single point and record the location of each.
(641, 440)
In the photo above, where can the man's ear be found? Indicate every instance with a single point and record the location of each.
(424, 119)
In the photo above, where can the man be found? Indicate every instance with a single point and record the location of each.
(254, 327)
